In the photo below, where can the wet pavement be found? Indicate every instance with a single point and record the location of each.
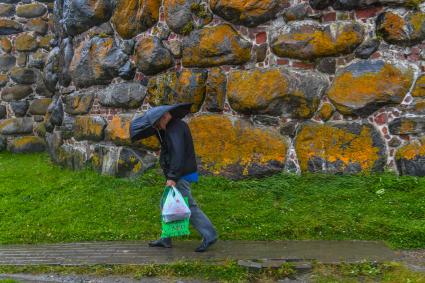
(138, 252)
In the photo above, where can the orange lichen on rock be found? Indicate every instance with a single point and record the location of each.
(118, 129)
(214, 46)
(312, 41)
(351, 92)
(419, 89)
(412, 150)
(89, 128)
(393, 26)
(220, 143)
(256, 90)
(326, 111)
(132, 17)
(333, 144)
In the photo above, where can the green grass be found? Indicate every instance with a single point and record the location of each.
(41, 202)
(229, 271)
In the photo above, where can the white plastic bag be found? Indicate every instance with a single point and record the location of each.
(175, 207)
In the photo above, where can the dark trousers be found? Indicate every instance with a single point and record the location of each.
(198, 219)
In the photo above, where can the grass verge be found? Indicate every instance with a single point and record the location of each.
(41, 202)
(230, 272)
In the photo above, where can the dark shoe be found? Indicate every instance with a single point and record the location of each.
(164, 243)
(204, 246)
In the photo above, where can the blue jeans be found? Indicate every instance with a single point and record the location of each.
(198, 219)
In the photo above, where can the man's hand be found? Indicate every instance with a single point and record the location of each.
(170, 183)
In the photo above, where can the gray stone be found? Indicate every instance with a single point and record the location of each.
(367, 48)
(15, 92)
(126, 95)
(127, 46)
(327, 65)
(21, 59)
(152, 57)
(52, 69)
(90, 128)
(27, 144)
(37, 59)
(32, 10)
(39, 106)
(409, 30)
(215, 93)
(121, 161)
(7, 62)
(407, 126)
(97, 61)
(74, 157)
(9, 27)
(251, 13)
(14, 126)
(55, 115)
(296, 12)
(79, 16)
(40, 85)
(19, 108)
(37, 25)
(266, 120)
(79, 102)
(3, 111)
(260, 52)
(7, 10)
(22, 75)
(179, 16)
(54, 141)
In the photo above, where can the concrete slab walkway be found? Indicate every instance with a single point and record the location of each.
(137, 252)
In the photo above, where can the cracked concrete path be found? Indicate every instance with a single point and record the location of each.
(138, 252)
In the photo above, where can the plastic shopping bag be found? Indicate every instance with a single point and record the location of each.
(175, 228)
(174, 208)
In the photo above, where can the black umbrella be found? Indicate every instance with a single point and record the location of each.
(141, 126)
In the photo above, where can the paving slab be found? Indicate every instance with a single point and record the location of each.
(138, 252)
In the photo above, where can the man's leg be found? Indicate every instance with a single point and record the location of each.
(162, 242)
(198, 219)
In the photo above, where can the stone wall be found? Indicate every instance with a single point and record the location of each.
(332, 86)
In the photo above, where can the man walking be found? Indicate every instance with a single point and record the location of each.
(178, 162)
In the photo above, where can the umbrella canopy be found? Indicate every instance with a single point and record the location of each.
(141, 126)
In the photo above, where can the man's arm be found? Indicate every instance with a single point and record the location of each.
(177, 152)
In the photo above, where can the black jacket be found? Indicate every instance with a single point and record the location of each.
(177, 157)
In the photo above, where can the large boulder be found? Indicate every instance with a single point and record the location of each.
(31, 10)
(39, 106)
(340, 148)
(16, 126)
(54, 116)
(410, 158)
(90, 128)
(214, 46)
(15, 92)
(363, 87)
(277, 91)
(406, 30)
(27, 144)
(237, 149)
(121, 161)
(249, 12)
(26, 42)
(79, 16)
(152, 57)
(179, 16)
(75, 157)
(126, 95)
(22, 75)
(97, 61)
(79, 102)
(9, 27)
(312, 40)
(132, 17)
(407, 125)
(7, 62)
(19, 108)
(187, 85)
